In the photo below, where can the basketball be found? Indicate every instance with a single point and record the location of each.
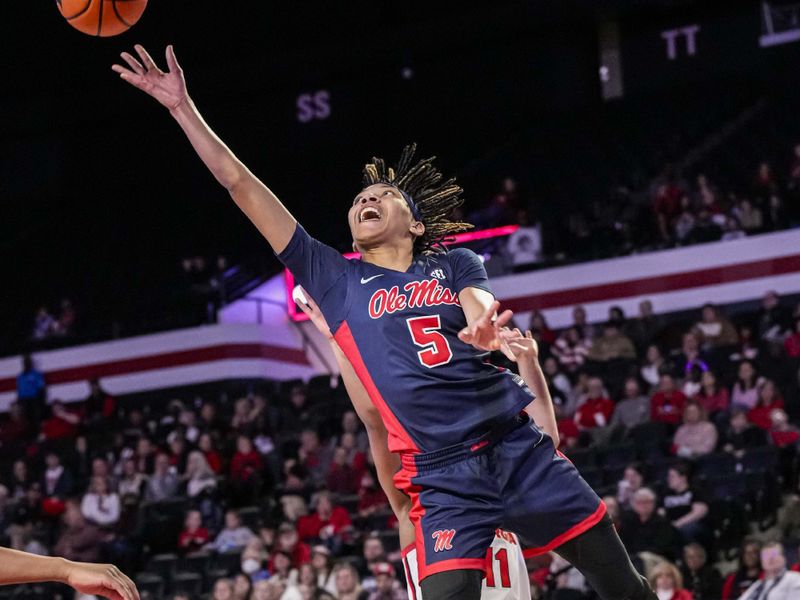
(102, 18)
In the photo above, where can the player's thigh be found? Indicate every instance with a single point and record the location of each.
(455, 511)
(462, 584)
(546, 501)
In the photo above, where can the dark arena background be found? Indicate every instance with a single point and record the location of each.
(633, 172)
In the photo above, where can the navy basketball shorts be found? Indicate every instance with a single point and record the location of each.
(512, 478)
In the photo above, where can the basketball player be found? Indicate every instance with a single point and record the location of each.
(95, 579)
(506, 571)
(415, 324)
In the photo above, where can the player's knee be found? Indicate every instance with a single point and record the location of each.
(464, 584)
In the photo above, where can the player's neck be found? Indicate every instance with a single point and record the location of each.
(388, 257)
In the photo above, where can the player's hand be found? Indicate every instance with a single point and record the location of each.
(100, 580)
(484, 333)
(168, 88)
(310, 308)
(521, 347)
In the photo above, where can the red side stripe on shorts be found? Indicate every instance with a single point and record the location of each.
(399, 439)
(409, 582)
(570, 533)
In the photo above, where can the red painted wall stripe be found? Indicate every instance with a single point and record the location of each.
(656, 285)
(166, 360)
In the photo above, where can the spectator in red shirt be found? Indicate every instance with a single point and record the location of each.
(206, 445)
(371, 498)
(792, 343)
(62, 424)
(343, 477)
(15, 428)
(747, 572)
(246, 463)
(246, 470)
(99, 405)
(541, 331)
(288, 541)
(769, 398)
(666, 405)
(328, 523)
(667, 207)
(194, 536)
(666, 580)
(712, 397)
(596, 409)
(782, 432)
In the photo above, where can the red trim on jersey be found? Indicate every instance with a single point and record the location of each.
(402, 481)
(570, 533)
(409, 581)
(404, 552)
(399, 439)
(455, 564)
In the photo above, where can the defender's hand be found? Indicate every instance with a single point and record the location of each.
(168, 88)
(521, 347)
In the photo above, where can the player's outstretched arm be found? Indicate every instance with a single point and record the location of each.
(525, 351)
(95, 579)
(255, 199)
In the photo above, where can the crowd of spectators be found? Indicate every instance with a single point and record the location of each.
(676, 212)
(274, 495)
(684, 439)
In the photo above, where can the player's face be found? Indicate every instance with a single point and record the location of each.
(379, 215)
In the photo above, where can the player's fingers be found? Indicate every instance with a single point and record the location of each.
(489, 312)
(134, 64)
(129, 585)
(120, 69)
(122, 585)
(503, 318)
(147, 60)
(304, 307)
(172, 61)
(465, 335)
(528, 334)
(131, 77)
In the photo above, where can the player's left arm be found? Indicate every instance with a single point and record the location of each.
(526, 354)
(96, 579)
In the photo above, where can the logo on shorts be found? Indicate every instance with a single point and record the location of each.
(444, 539)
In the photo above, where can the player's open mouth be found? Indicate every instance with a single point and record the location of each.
(369, 213)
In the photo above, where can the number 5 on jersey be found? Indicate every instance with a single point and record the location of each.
(425, 334)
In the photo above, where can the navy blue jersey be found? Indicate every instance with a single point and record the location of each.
(400, 333)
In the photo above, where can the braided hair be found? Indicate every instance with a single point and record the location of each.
(434, 198)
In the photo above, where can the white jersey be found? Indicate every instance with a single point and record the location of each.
(506, 580)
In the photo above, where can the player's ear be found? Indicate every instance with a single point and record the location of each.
(355, 247)
(417, 228)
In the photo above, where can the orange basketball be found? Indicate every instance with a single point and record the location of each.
(102, 17)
